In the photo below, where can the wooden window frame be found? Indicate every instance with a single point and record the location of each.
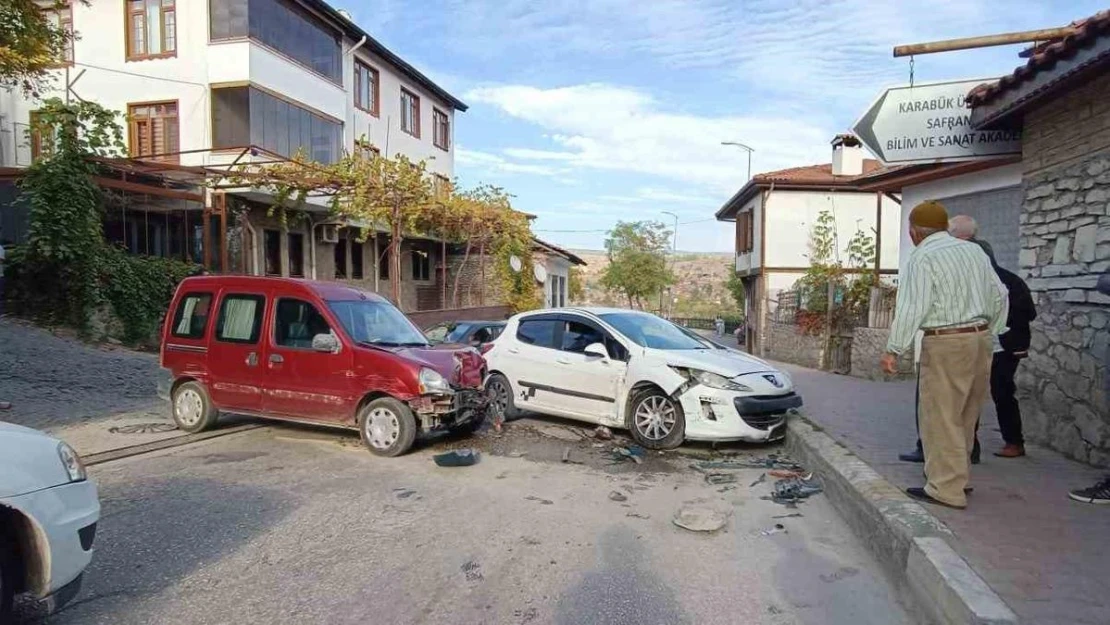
(128, 32)
(132, 133)
(441, 118)
(65, 21)
(34, 137)
(415, 114)
(375, 106)
(745, 238)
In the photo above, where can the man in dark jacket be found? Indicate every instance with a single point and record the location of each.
(1013, 347)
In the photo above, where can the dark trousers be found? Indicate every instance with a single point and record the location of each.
(1004, 394)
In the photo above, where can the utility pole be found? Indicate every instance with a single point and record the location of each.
(674, 250)
(746, 149)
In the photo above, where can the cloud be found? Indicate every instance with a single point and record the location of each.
(493, 163)
(605, 127)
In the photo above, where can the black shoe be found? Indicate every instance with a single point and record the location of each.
(914, 456)
(1097, 494)
(920, 495)
(976, 452)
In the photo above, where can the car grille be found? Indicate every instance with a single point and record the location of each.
(763, 412)
(763, 422)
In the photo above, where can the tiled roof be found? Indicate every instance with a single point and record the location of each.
(1044, 57)
(816, 174)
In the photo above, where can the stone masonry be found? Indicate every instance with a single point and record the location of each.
(868, 345)
(1065, 237)
(787, 344)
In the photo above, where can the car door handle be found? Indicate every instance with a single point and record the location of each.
(563, 361)
(276, 359)
(513, 350)
(252, 359)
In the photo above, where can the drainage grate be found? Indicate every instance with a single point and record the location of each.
(142, 428)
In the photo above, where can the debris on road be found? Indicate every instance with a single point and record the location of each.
(403, 493)
(770, 462)
(792, 490)
(457, 458)
(637, 515)
(762, 478)
(779, 528)
(473, 571)
(700, 519)
(618, 496)
(566, 455)
(5, 405)
(792, 515)
(632, 452)
(720, 478)
(603, 433)
(545, 502)
(800, 474)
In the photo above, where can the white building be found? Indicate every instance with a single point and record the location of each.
(775, 213)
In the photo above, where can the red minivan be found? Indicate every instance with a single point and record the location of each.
(313, 352)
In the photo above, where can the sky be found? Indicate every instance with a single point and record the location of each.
(594, 111)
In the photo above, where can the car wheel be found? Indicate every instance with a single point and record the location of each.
(502, 402)
(655, 420)
(192, 409)
(387, 427)
(7, 579)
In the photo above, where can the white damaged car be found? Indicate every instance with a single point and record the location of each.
(633, 370)
(48, 514)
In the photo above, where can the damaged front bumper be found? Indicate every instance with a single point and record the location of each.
(463, 406)
(720, 416)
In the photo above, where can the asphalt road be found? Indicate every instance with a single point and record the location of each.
(291, 525)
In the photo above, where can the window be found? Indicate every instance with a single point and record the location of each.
(151, 29)
(366, 88)
(240, 319)
(296, 322)
(441, 186)
(296, 254)
(243, 116)
(41, 139)
(383, 258)
(62, 18)
(558, 291)
(341, 258)
(410, 113)
(745, 229)
(282, 26)
(192, 316)
(578, 336)
(272, 250)
(421, 265)
(441, 129)
(356, 256)
(538, 332)
(438, 333)
(154, 130)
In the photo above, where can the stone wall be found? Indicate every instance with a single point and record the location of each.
(1069, 128)
(868, 345)
(786, 343)
(1065, 233)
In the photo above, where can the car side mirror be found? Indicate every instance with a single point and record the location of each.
(326, 343)
(597, 350)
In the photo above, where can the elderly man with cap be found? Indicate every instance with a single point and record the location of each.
(952, 295)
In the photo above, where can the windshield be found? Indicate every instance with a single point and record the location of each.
(458, 332)
(697, 337)
(650, 331)
(376, 323)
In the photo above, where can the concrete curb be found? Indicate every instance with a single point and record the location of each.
(909, 542)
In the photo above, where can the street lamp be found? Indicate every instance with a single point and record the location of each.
(747, 149)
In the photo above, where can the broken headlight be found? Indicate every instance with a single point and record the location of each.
(713, 380)
(432, 382)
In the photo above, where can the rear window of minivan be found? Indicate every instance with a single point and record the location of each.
(191, 317)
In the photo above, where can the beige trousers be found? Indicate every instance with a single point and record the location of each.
(955, 381)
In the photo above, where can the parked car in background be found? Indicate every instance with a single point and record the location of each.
(625, 368)
(313, 352)
(474, 333)
(48, 515)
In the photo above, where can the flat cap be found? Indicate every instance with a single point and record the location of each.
(929, 214)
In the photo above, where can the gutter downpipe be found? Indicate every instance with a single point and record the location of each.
(762, 272)
(358, 45)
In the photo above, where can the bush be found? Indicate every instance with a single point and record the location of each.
(139, 288)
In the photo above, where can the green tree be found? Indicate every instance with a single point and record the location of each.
(637, 261)
(576, 287)
(735, 287)
(31, 43)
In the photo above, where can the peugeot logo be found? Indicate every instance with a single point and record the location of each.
(773, 380)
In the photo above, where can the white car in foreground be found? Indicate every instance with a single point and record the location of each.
(48, 515)
(633, 370)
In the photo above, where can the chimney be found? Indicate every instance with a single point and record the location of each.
(847, 157)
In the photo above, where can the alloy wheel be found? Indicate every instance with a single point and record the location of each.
(655, 417)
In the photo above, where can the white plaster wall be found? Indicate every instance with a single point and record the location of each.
(792, 214)
(555, 266)
(987, 180)
(114, 82)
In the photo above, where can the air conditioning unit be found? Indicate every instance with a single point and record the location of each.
(329, 233)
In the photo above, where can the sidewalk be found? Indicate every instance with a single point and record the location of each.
(1047, 556)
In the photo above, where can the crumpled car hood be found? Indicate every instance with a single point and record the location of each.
(461, 366)
(719, 361)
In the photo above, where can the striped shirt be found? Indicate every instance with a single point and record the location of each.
(948, 283)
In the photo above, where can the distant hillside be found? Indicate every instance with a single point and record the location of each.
(700, 285)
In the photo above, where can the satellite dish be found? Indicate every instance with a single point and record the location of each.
(540, 273)
(515, 264)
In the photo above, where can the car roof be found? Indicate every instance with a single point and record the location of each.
(589, 310)
(328, 291)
